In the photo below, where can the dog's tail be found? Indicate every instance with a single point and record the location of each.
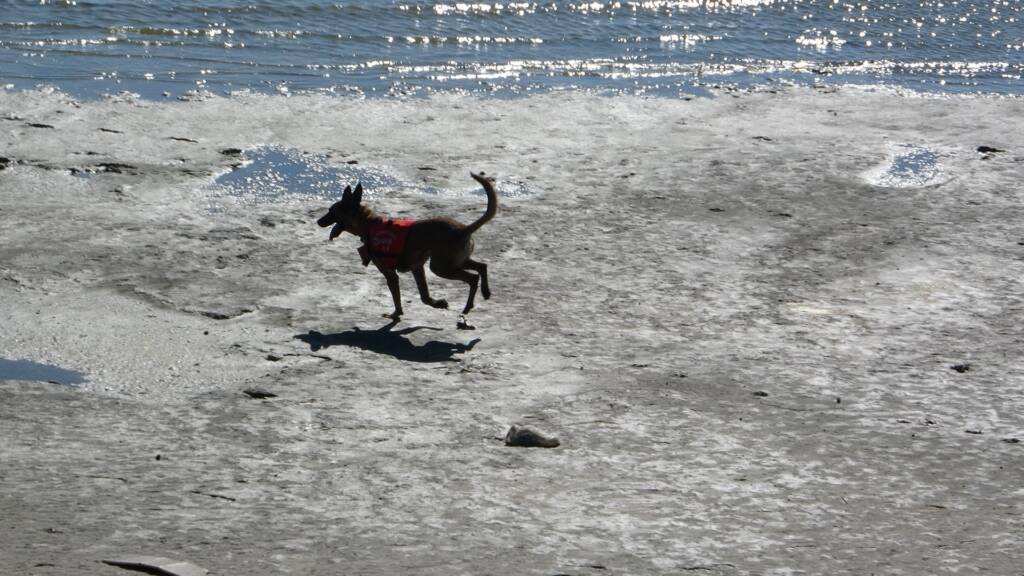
(492, 202)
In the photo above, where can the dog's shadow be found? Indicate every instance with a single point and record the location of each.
(383, 340)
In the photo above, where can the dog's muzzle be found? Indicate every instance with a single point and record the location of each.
(326, 221)
(336, 231)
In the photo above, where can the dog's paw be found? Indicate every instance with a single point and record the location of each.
(440, 303)
(396, 316)
(485, 292)
(463, 325)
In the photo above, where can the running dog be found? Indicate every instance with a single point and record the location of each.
(406, 245)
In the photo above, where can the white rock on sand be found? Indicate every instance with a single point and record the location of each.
(660, 262)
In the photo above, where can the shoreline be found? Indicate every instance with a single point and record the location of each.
(748, 351)
(698, 91)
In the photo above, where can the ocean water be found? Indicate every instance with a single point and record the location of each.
(385, 47)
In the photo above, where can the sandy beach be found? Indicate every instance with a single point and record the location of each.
(776, 332)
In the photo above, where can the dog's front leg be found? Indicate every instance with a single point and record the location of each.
(421, 284)
(392, 277)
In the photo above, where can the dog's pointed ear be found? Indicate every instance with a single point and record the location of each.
(358, 197)
(348, 192)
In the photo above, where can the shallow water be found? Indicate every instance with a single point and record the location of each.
(374, 47)
(275, 173)
(908, 166)
(28, 370)
(271, 173)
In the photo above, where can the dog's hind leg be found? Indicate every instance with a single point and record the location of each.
(481, 269)
(392, 277)
(458, 274)
(421, 284)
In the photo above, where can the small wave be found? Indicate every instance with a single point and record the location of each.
(279, 33)
(478, 8)
(463, 40)
(821, 42)
(610, 7)
(685, 39)
(158, 31)
(624, 68)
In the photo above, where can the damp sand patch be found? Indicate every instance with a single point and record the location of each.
(908, 166)
(35, 371)
(274, 174)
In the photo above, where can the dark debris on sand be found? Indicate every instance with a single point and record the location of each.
(524, 437)
(258, 393)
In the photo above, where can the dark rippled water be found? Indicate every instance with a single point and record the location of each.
(381, 47)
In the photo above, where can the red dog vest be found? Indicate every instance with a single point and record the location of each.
(384, 241)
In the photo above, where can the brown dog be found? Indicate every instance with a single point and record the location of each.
(403, 245)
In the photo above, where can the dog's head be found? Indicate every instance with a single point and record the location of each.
(343, 212)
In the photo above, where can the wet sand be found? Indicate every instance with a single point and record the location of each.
(775, 333)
